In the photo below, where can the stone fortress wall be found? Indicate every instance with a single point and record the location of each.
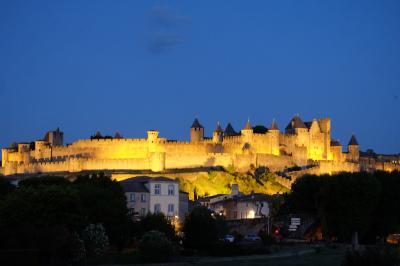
(301, 144)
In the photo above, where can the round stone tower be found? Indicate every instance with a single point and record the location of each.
(274, 133)
(354, 149)
(196, 131)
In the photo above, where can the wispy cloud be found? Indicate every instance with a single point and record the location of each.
(166, 29)
(163, 42)
(167, 17)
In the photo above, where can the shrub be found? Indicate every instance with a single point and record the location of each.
(157, 222)
(95, 238)
(155, 247)
(372, 257)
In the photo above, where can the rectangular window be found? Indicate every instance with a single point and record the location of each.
(157, 189)
(170, 208)
(143, 197)
(132, 197)
(143, 211)
(171, 190)
(157, 208)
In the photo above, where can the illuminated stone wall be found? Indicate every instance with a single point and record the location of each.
(273, 149)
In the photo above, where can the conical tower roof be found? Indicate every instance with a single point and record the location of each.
(118, 136)
(229, 131)
(274, 125)
(248, 125)
(296, 122)
(218, 128)
(353, 141)
(196, 124)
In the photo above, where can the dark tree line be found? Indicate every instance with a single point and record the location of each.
(346, 203)
(48, 215)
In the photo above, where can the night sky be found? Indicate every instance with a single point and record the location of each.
(130, 66)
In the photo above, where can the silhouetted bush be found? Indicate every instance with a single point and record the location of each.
(157, 222)
(96, 240)
(155, 247)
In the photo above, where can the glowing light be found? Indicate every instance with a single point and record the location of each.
(251, 214)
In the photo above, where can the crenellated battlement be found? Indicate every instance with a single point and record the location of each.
(300, 143)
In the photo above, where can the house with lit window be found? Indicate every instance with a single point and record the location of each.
(155, 195)
(237, 206)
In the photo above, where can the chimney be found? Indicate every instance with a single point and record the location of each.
(235, 189)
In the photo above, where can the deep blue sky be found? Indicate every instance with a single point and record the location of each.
(129, 66)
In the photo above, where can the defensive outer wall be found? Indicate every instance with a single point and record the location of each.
(301, 144)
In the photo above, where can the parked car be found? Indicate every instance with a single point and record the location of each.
(229, 238)
(252, 238)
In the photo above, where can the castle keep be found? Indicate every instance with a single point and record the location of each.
(301, 144)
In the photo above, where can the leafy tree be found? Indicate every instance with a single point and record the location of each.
(43, 218)
(158, 222)
(304, 194)
(200, 228)
(347, 203)
(104, 201)
(386, 218)
(44, 206)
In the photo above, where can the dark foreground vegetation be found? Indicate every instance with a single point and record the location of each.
(349, 204)
(54, 221)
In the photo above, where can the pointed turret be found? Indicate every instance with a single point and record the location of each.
(229, 131)
(217, 134)
(218, 128)
(247, 132)
(196, 124)
(196, 131)
(248, 125)
(274, 125)
(354, 149)
(118, 136)
(353, 141)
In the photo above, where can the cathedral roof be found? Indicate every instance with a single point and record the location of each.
(196, 124)
(274, 125)
(353, 141)
(248, 125)
(229, 131)
(218, 128)
(296, 122)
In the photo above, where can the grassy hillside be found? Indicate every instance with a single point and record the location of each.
(219, 182)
